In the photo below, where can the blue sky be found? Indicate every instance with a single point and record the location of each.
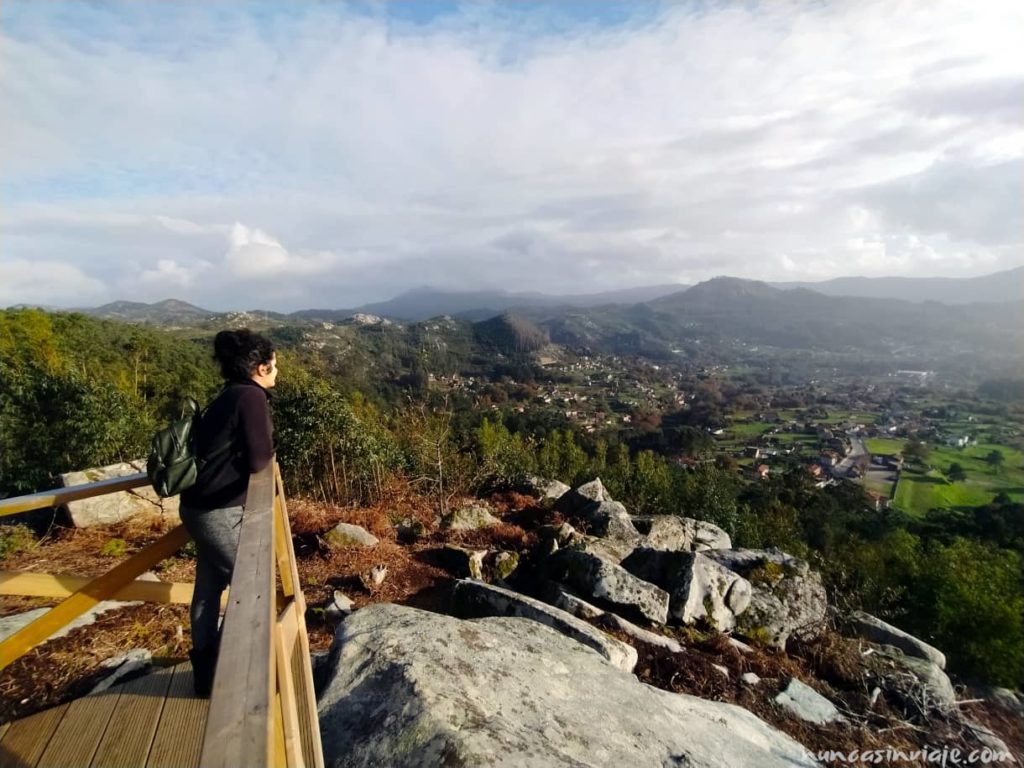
(329, 154)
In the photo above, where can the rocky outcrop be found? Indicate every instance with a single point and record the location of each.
(788, 597)
(698, 587)
(408, 688)
(609, 585)
(868, 627)
(474, 599)
(116, 507)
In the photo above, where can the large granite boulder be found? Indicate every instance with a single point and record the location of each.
(475, 599)
(116, 507)
(868, 627)
(788, 597)
(413, 689)
(698, 587)
(680, 534)
(610, 585)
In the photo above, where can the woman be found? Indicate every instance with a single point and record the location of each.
(233, 439)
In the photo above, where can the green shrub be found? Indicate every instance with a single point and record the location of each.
(114, 548)
(14, 539)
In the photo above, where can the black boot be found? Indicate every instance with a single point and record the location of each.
(204, 663)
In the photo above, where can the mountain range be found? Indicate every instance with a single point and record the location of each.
(424, 303)
(720, 320)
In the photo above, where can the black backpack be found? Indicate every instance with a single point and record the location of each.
(172, 465)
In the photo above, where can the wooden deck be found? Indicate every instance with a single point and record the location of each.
(153, 721)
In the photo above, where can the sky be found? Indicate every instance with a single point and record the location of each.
(243, 155)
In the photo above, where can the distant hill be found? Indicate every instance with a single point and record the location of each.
(510, 334)
(728, 318)
(1000, 286)
(424, 303)
(167, 312)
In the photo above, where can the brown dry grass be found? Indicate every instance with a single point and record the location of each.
(827, 665)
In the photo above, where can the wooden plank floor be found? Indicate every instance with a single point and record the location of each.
(149, 721)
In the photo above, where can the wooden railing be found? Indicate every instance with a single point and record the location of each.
(263, 707)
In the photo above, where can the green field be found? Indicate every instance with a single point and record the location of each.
(917, 493)
(884, 445)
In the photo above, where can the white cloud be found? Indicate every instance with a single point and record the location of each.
(168, 274)
(46, 283)
(759, 140)
(254, 253)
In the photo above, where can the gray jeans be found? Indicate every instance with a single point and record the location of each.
(216, 534)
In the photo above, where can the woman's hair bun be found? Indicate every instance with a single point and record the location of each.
(240, 352)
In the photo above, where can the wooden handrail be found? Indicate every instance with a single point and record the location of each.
(239, 727)
(59, 496)
(263, 708)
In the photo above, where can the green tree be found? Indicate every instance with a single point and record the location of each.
(956, 473)
(916, 450)
(969, 602)
(995, 459)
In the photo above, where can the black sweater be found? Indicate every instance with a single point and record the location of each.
(239, 416)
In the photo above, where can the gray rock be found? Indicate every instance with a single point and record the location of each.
(807, 704)
(572, 502)
(116, 507)
(474, 599)
(345, 535)
(699, 588)
(413, 689)
(610, 585)
(541, 488)
(750, 678)
(723, 669)
(868, 627)
(11, 624)
(557, 595)
(788, 597)
(610, 519)
(680, 534)
(123, 666)
(469, 518)
(708, 536)
(643, 635)
(666, 532)
(610, 548)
